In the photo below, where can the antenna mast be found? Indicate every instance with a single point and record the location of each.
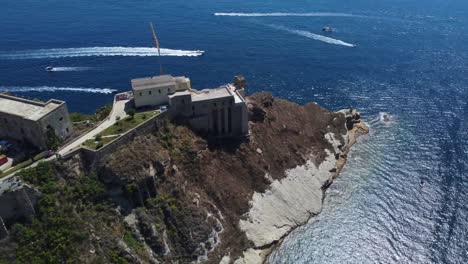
(157, 46)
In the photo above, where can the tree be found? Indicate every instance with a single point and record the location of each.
(131, 113)
(53, 142)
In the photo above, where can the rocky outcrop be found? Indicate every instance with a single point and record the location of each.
(293, 200)
(17, 202)
(178, 197)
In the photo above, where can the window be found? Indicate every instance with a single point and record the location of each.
(183, 101)
(193, 108)
(149, 92)
(141, 93)
(61, 118)
(214, 104)
(159, 90)
(6, 120)
(67, 130)
(22, 131)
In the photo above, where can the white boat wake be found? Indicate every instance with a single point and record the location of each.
(60, 69)
(98, 51)
(281, 14)
(23, 89)
(311, 35)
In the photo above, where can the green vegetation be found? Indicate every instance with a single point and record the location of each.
(179, 142)
(93, 144)
(128, 123)
(120, 127)
(100, 114)
(24, 163)
(162, 200)
(54, 235)
(70, 210)
(132, 242)
(131, 112)
(17, 167)
(52, 140)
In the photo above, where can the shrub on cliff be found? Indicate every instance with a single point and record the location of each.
(67, 209)
(52, 140)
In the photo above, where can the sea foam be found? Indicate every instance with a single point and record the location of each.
(97, 51)
(59, 69)
(24, 89)
(311, 35)
(281, 14)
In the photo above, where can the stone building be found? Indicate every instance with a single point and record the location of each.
(154, 91)
(220, 112)
(28, 121)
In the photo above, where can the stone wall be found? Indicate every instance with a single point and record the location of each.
(93, 157)
(34, 131)
(59, 120)
(21, 129)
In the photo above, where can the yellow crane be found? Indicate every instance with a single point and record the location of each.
(157, 46)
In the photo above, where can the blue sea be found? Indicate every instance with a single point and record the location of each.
(403, 196)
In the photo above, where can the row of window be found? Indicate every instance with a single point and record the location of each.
(149, 92)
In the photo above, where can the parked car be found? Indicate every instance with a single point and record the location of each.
(3, 159)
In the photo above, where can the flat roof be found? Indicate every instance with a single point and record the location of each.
(25, 108)
(208, 94)
(157, 81)
(180, 93)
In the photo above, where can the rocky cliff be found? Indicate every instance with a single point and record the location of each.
(173, 196)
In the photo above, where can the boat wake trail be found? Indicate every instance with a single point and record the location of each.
(311, 35)
(279, 14)
(22, 89)
(59, 69)
(97, 51)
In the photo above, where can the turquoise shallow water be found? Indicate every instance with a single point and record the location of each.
(402, 57)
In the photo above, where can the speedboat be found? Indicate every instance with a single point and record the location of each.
(327, 29)
(49, 68)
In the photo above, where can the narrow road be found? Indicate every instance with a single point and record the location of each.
(118, 110)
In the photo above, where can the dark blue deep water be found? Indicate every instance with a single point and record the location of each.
(403, 196)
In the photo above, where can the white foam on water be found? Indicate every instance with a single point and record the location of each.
(59, 69)
(281, 14)
(311, 35)
(24, 89)
(98, 51)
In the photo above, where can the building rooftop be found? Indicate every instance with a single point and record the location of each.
(208, 94)
(27, 109)
(155, 81)
(180, 93)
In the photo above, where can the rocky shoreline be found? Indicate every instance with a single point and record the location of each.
(292, 201)
(185, 198)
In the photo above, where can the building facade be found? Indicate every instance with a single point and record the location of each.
(28, 121)
(154, 91)
(220, 112)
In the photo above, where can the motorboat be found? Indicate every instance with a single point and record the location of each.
(327, 29)
(49, 68)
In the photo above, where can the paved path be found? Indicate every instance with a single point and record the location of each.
(118, 109)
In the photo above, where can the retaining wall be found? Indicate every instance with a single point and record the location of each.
(93, 157)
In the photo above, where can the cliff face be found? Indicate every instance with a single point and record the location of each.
(176, 196)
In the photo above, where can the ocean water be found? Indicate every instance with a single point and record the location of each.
(403, 196)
